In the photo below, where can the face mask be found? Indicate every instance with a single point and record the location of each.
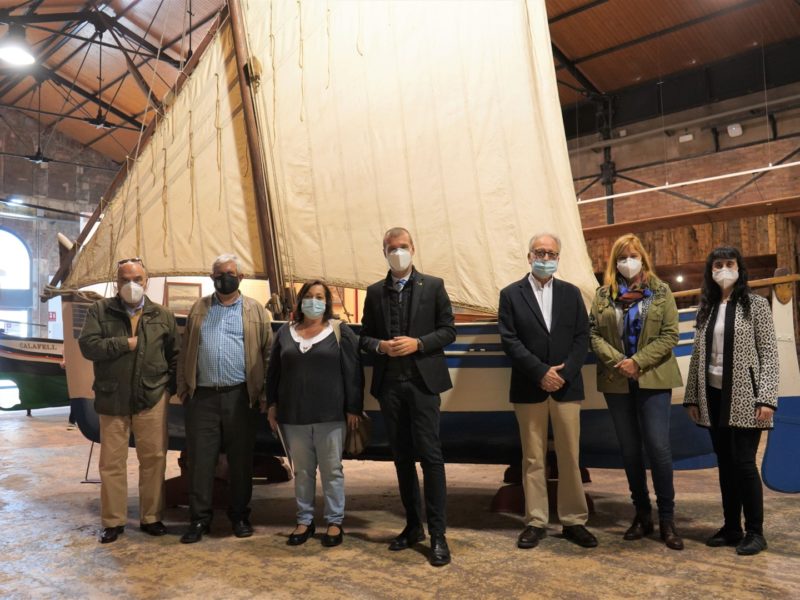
(399, 260)
(131, 293)
(312, 307)
(544, 268)
(629, 267)
(725, 278)
(226, 283)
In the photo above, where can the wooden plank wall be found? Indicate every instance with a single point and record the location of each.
(758, 235)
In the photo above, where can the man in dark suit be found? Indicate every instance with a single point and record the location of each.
(407, 322)
(545, 331)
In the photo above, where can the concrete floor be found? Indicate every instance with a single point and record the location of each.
(48, 540)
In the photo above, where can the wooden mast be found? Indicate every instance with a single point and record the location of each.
(264, 212)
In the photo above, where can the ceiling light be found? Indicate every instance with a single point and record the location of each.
(15, 200)
(14, 48)
(679, 278)
(735, 130)
(686, 137)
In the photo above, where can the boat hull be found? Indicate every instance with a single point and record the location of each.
(34, 365)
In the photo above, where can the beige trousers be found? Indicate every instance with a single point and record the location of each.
(566, 419)
(150, 431)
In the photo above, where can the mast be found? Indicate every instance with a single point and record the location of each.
(264, 212)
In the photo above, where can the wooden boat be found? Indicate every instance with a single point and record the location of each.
(35, 366)
(338, 122)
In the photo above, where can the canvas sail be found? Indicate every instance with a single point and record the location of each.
(189, 195)
(439, 116)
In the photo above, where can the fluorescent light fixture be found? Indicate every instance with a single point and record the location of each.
(685, 138)
(735, 130)
(14, 48)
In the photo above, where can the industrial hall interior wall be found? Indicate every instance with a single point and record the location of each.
(72, 183)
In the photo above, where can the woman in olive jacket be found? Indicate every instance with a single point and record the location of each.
(732, 389)
(633, 328)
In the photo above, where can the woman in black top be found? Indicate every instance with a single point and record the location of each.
(732, 389)
(315, 389)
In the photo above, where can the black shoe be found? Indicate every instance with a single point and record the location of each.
(407, 538)
(156, 529)
(440, 553)
(753, 543)
(195, 532)
(110, 534)
(242, 529)
(670, 537)
(295, 539)
(578, 534)
(725, 537)
(530, 536)
(329, 540)
(642, 525)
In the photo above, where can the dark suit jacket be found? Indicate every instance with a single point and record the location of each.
(533, 349)
(431, 320)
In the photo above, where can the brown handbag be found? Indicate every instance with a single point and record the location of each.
(358, 439)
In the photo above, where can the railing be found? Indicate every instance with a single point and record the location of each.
(756, 283)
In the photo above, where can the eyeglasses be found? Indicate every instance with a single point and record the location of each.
(545, 254)
(135, 259)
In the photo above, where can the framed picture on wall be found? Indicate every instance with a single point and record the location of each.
(179, 297)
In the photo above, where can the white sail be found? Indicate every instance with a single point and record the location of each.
(439, 116)
(189, 195)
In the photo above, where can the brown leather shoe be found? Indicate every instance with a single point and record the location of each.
(669, 535)
(530, 536)
(642, 525)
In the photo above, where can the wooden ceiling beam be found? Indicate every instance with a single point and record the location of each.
(588, 87)
(667, 31)
(132, 68)
(55, 77)
(578, 10)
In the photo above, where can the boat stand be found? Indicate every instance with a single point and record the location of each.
(88, 464)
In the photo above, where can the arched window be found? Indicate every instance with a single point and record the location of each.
(15, 285)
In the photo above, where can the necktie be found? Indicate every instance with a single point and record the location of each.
(400, 284)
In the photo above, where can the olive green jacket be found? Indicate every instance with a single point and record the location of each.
(657, 365)
(127, 382)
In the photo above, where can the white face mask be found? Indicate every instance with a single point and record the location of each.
(399, 260)
(131, 293)
(725, 278)
(629, 267)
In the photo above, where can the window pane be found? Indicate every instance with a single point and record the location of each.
(15, 263)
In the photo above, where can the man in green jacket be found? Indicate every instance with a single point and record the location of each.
(134, 344)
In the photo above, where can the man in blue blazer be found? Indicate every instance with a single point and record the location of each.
(407, 322)
(544, 329)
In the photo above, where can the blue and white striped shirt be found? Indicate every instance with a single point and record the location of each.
(220, 356)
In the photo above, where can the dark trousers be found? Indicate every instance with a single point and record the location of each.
(739, 480)
(641, 420)
(411, 414)
(220, 421)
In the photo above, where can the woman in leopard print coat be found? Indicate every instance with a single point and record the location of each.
(732, 389)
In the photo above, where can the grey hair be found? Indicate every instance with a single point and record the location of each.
(226, 258)
(542, 234)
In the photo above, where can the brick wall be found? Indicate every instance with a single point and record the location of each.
(74, 185)
(662, 159)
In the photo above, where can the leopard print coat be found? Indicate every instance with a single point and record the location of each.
(755, 367)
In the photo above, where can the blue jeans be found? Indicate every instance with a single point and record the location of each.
(309, 446)
(641, 419)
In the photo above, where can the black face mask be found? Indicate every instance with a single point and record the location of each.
(226, 283)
